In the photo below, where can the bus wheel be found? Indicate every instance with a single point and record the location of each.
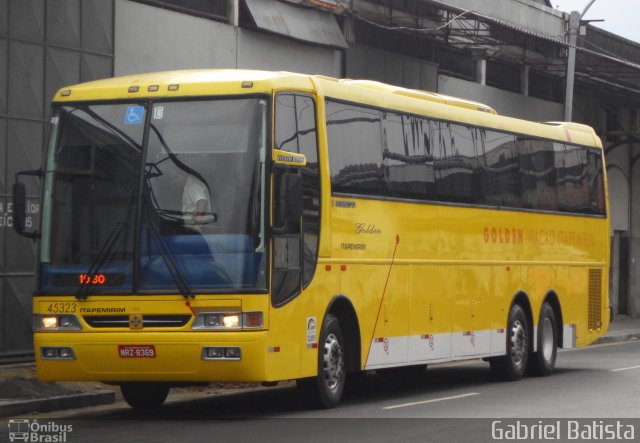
(325, 390)
(543, 361)
(144, 395)
(511, 367)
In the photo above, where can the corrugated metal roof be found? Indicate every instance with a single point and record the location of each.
(555, 40)
(552, 39)
(299, 23)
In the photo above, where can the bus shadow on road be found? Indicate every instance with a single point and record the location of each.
(370, 388)
(284, 401)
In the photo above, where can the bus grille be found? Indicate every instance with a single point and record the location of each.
(148, 321)
(595, 299)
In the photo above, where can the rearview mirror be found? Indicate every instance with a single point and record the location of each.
(19, 203)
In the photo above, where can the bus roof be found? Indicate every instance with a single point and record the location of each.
(207, 82)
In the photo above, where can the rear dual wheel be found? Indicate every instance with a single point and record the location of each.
(512, 366)
(518, 360)
(543, 361)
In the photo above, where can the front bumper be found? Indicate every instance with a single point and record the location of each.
(178, 357)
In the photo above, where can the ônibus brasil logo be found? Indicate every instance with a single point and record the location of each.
(22, 429)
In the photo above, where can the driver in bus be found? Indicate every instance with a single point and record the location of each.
(197, 206)
(182, 199)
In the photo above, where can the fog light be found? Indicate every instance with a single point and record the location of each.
(57, 353)
(66, 354)
(232, 353)
(221, 353)
(50, 353)
(215, 353)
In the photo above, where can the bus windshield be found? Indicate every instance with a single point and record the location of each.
(152, 197)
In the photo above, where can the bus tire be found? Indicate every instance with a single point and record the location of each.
(512, 366)
(543, 361)
(325, 390)
(144, 395)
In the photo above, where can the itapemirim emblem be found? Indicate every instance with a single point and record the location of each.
(136, 321)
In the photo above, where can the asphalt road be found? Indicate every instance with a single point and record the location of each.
(454, 402)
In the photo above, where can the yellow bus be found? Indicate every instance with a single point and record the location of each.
(250, 226)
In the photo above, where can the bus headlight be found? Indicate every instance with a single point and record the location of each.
(231, 320)
(56, 322)
(228, 320)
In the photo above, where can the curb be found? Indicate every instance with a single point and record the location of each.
(616, 338)
(50, 404)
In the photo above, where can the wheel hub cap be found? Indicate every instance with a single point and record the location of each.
(518, 343)
(547, 339)
(333, 362)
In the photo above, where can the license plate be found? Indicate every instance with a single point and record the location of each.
(137, 351)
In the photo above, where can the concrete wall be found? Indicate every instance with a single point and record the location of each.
(618, 199)
(363, 62)
(634, 241)
(264, 51)
(504, 102)
(152, 39)
(44, 45)
(618, 174)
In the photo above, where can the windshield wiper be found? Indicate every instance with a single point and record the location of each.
(170, 263)
(152, 206)
(105, 251)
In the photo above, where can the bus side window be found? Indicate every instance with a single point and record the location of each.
(572, 181)
(457, 172)
(408, 163)
(596, 182)
(500, 169)
(538, 172)
(355, 149)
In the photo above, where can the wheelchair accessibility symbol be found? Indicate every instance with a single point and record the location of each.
(134, 115)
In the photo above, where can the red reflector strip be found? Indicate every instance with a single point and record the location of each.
(500, 331)
(426, 336)
(327, 267)
(379, 340)
(274, 349)
(467, 333)
(312, 345)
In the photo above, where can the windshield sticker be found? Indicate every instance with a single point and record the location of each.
(158, 111)
(134, 115)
